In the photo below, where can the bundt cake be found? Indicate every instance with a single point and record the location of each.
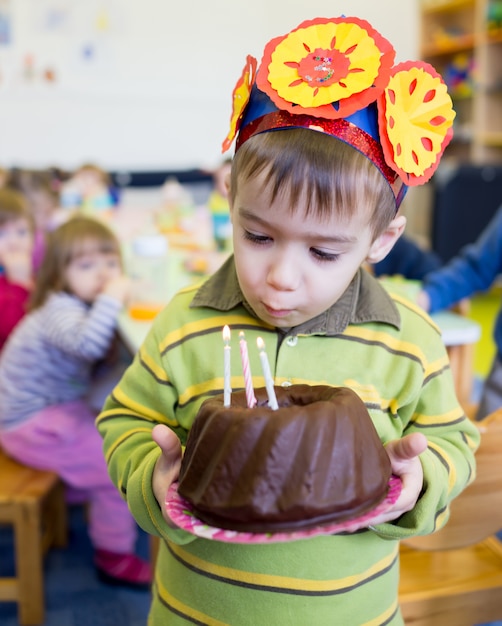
(316, 460)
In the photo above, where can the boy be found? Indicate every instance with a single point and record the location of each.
(312, 197)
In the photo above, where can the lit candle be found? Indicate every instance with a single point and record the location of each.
(227, 389)
(246, 370)
(269, 383)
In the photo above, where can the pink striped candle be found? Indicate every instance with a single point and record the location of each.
(246, 370)
(227, 389)
(269, 381)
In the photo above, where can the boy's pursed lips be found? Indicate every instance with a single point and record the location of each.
(276, 312)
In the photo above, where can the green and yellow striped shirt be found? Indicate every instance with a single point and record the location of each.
(380, 345)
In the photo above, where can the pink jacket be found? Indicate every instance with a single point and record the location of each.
(13, 300)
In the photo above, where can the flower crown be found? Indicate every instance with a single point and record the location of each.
(337, 76)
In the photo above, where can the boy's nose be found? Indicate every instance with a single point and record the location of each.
(283, 272)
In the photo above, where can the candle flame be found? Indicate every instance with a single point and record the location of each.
(226, 333)
(260, 343)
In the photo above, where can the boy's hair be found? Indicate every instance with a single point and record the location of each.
(329, 174)
(13, 206)
(78, 236)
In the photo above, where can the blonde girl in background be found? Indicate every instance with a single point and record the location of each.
(46, 374)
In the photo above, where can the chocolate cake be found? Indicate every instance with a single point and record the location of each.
(316, 460)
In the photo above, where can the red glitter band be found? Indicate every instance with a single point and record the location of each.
(340, 128)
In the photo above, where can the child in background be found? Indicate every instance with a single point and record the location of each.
(43, 202)
(45, 374)
(314, 192)
(474, 269)
(89, 190)
(219, 207)
(4, 176)
(16, 260)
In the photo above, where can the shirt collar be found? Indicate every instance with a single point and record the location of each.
(364, 300)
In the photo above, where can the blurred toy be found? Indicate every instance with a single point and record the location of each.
(459, 75)
(494, 16)
(445, 37)
(176, 208)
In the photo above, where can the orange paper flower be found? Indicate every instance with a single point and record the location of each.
(240, 97)
(326, 67)
(415, 121)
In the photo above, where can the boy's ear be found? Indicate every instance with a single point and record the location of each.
(384, 243)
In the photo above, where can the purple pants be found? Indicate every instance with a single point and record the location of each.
(64, 439)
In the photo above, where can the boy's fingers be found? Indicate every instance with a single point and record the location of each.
(407, 448)
(167, 441)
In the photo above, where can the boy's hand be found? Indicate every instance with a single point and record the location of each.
(403, 454)
(167, 468)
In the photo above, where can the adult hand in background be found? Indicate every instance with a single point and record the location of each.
(423, 300)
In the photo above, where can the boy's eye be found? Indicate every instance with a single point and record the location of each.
(321, 255)
(256, 238)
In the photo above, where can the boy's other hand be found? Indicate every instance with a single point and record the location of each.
(167, 468)
(404, 457)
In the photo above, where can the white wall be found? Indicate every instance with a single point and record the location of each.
(157, 91)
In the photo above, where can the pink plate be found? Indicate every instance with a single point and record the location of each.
(181, 513)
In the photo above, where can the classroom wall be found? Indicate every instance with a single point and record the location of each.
(144, 85)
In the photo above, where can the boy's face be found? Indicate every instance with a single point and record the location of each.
(16, 237)
(292, 268)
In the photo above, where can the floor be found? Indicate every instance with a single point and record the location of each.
(75, 596)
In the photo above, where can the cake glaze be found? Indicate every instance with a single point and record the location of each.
(316, 460)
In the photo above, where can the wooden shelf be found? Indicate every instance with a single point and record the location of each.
(447, 6)
(456, 27)
(463, 43)
(492, 139)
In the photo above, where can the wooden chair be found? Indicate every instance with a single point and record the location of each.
(32, 502)
(454, 576)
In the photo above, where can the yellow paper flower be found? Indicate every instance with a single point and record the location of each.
(240, 98)
(326, 67)
(415, 120)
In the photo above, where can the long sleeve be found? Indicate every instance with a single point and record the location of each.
(53, 350)
(81, 331)
(473, 270)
